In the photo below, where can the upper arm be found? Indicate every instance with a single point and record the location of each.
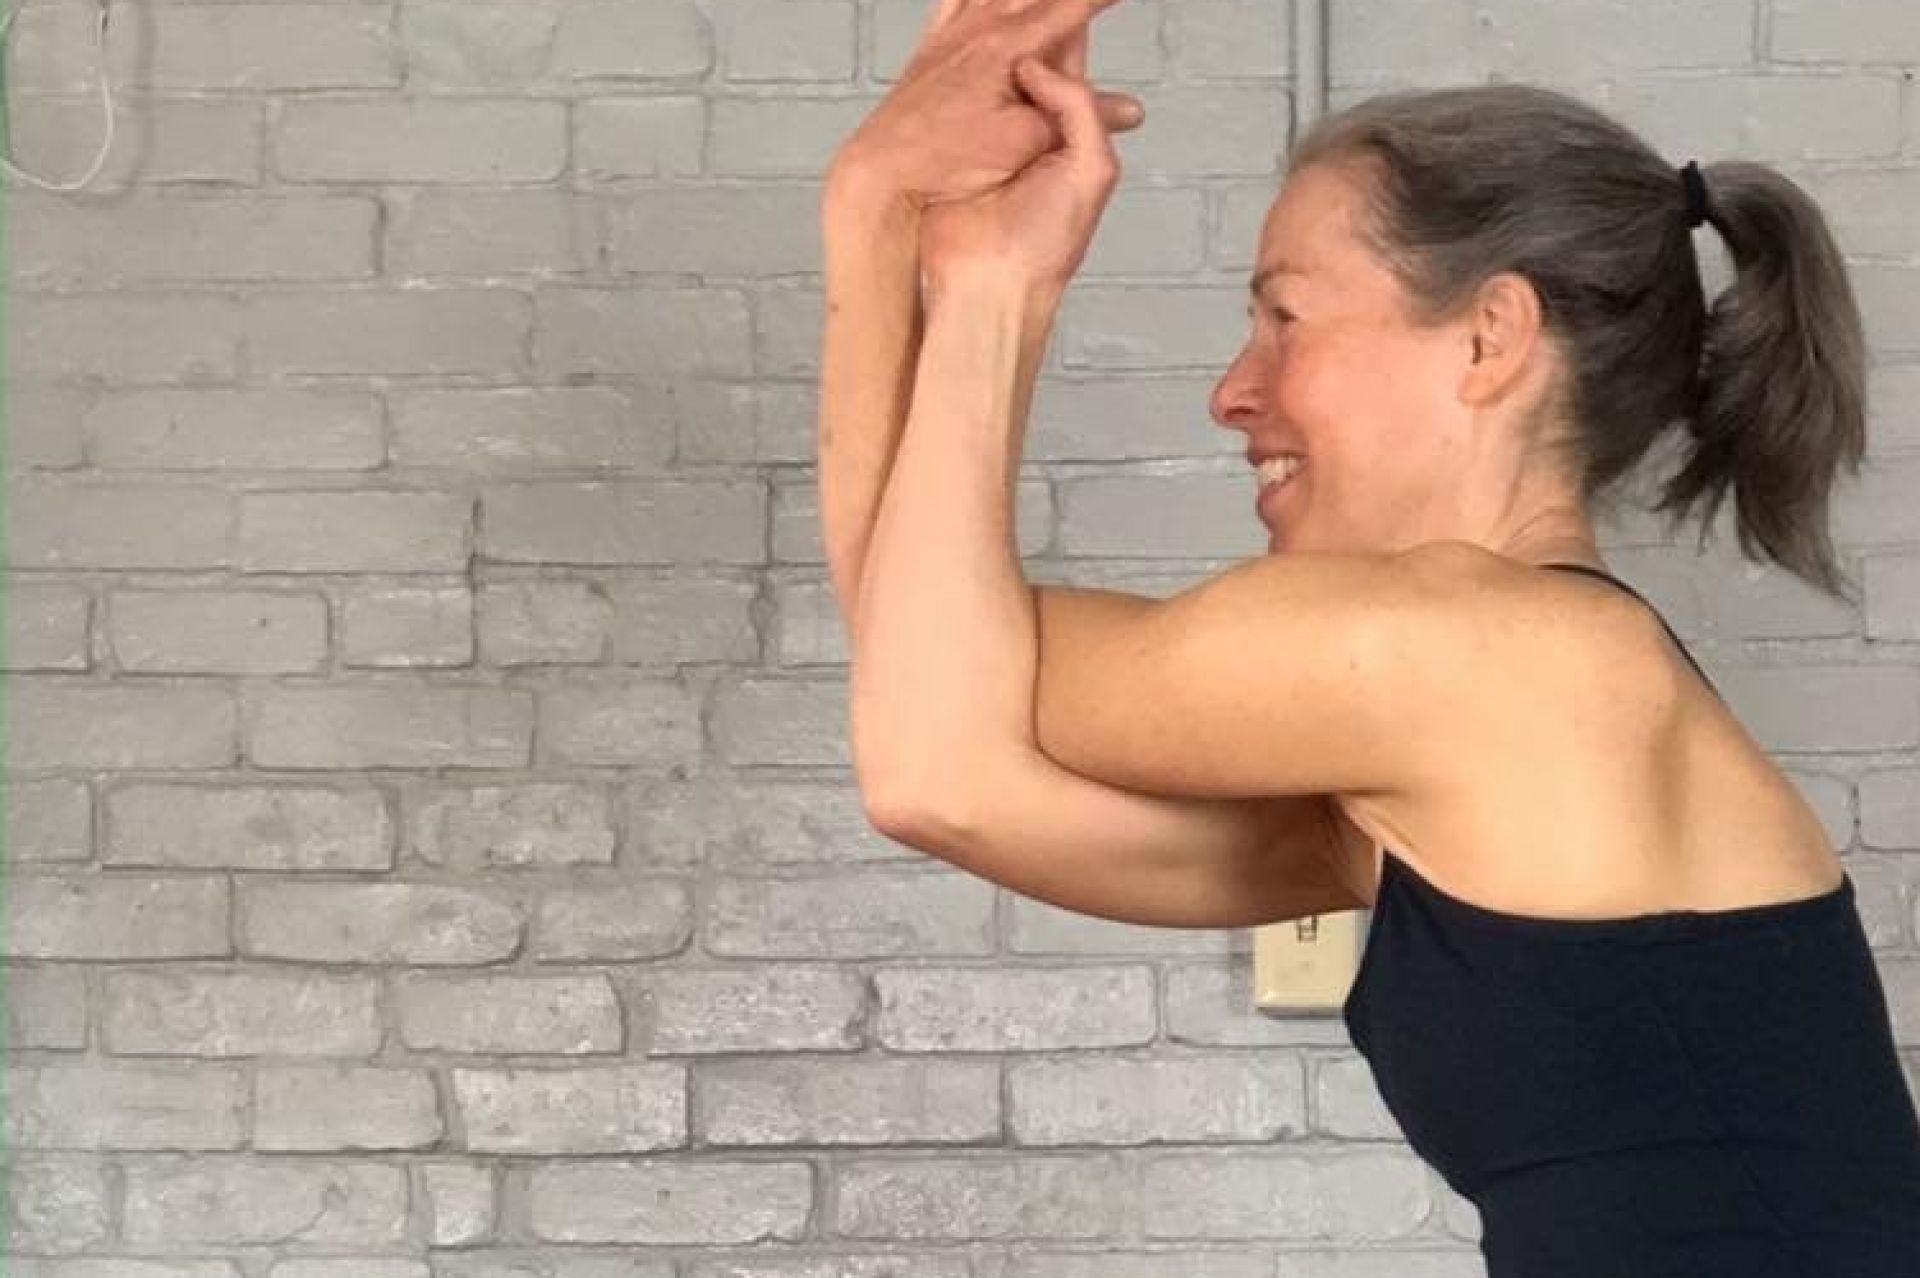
(1047, 833)
(1307, 673)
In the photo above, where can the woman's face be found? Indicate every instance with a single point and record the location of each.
(1334, 371)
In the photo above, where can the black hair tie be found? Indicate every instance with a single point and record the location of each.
(1697, 206)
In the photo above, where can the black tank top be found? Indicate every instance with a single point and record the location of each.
(1686, 1094)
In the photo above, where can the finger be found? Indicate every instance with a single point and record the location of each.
(1120, 112)
(1045, 25)
(1073, 60)
(1070, 102)
(944, 11)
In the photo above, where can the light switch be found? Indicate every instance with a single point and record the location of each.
(1307, 964)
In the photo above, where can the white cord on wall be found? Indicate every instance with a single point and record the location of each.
(106, 106)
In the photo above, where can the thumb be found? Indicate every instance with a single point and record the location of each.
(1069, 101)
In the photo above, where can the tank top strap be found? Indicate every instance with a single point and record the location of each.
(1607, 576)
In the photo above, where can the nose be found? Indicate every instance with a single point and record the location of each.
(1237, 400)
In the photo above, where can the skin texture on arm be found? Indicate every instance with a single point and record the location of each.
(943, 730)
(870, 341)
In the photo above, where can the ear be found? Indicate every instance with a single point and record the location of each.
(1502, 329)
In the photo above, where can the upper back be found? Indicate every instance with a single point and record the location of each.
(1567, 808)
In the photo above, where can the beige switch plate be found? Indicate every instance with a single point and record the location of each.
(1307, 964)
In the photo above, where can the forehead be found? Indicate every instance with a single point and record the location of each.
(1310, 226)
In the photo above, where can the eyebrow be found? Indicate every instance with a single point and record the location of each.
(1259, 281)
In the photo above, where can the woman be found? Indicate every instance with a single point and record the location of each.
(1616, 988)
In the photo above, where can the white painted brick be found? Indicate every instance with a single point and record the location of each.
(61, 1203)
(639, 722)
(1552, 41)
(387, 725)
(440, 331)
(1775, 118)
(1875, 31)
(1893, 407)
(440, 233)
(247, 827)
(528, 429)
(47, 627)
(642, 332)
(225, 1012)
(216, 428)
(1226, 130)
(611, 39)
(60, 524)
(240, 1200)
(988, 1197)
(934, 912)
(68, 725)
(716, 231)
(156, 141)
(946, 1009)
(654, 137)
(1889, 297)
(782, 722)
(407, 627)
(364, 531)
(413, 924)
(697, 521)
(1381, 1196)
(137, 338)
(797, 41)
(780, 137)
(477, 45)
(1134, 1102)
(216, 632)
(43, 426)
(419, 140)
(1826, 706)
(668, 1203)
(48, 821)
(765, 823)
(519, 1014)
(270, 46)
(1890, 584)
(47, 1007)
(1890, 808)
(510, 826)
(808, 1102)
(612, 922)
(125, 1105)
(460, 1201)
(338, 1106)
(1223, 39)
(765, 1007)
(608, 1109)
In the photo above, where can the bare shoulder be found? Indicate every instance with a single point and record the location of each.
(1536, 639)
(1564, 697)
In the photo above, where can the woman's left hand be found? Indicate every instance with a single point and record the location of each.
(1032, 230)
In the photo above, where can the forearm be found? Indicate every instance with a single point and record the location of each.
(949, 655)
(870, 340)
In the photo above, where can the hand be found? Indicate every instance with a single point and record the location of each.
(956, 123)
(1033, 230)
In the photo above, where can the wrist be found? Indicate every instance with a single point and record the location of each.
(976, 286)
(856, 188)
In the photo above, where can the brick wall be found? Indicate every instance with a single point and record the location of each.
(434, 850)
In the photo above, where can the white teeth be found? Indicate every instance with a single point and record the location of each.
(1277, 470)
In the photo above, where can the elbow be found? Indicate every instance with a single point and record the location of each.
(908, 816)
(921, 813)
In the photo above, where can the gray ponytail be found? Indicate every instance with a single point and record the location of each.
(1783, 401)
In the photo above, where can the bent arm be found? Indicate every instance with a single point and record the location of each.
(1066, 839)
